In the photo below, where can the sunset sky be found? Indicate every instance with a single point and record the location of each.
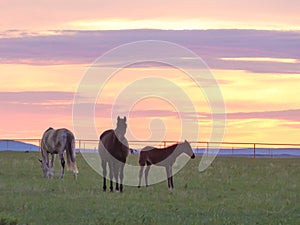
(252, 48)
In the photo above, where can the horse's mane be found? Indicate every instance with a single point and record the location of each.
(171, 146)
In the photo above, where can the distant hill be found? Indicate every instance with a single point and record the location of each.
(11, 145)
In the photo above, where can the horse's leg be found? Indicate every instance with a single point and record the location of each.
(52, 160)
(62, 160)
(51, 165)
(146, 175)
(116, 174)
(121, 176)
(110, 165)
(104, 174)
(168, 176)
(48, 174)
(171, 178)
(140, 175)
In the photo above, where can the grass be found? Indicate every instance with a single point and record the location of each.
(231, 191)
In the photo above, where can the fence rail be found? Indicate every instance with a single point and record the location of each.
(252, 149)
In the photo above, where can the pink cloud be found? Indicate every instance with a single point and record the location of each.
(289, 115)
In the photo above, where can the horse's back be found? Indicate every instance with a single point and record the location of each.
(157, 156)
(52, 138)
(109, 143)
(60, 136)
(64, 135)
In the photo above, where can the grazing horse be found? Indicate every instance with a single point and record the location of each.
(56, 142)
(165, 157)
(113, 150)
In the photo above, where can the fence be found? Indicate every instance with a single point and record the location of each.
(225, 148)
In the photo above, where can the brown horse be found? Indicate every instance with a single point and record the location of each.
(113, 150)
(165, 157)
(56, 142)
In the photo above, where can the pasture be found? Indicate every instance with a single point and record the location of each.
(230, 191)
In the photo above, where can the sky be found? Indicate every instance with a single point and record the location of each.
(252, 49)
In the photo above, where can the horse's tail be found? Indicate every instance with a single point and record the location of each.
(70, 150)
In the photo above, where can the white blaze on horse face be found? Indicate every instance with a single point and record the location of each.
(121, 127)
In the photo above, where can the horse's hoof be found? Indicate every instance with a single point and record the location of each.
(139, 186)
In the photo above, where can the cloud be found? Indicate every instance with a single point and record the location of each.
(31, 97)
(287, 115)
(153, 113)
(71, 46)
(36, 104)
(281, 14)
(292, 125)
(27, 113)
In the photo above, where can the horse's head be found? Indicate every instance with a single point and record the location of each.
(188, 149)
(121, 126)
(47, 172)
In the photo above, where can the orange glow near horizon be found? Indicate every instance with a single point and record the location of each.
(22, 77)
(277, 95)
(252, 94)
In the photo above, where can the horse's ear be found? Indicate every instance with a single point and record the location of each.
(125, 118)
(185, 141)
(118, 118)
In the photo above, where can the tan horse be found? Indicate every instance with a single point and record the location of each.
(165, 157)
(113, 150)
(56, 142)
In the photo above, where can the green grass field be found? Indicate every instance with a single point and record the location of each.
(231, 191)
